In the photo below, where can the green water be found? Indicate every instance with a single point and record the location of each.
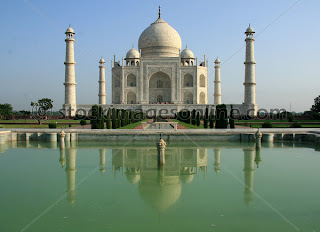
(118, 187)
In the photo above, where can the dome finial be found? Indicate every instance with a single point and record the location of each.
(132, 45)
(159, 12)
(186, 45)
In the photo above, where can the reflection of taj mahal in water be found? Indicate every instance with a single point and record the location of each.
(160, 75)
(160, 188)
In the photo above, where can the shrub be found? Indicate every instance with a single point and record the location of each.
(83, 122)
(316, 116)
(198, 119)
(296, 125)
(211, 119)
(119, 120)
(109, 119)
(231, 118)
(267, 125)
(52, 125)
(206, 118)
(221, 117)
(290, 118)
(193, 117)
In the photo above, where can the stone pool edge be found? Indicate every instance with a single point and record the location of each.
(223, 135)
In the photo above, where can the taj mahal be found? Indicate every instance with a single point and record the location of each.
(160, 76)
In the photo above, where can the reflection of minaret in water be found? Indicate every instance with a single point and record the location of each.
(62, 159)
(258, 155)
(102, 160)
(216, 163)
(71, 174)
(248, 175)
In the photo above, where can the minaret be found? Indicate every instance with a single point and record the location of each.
(250, 75)
(70, 81)
(102, 82)
(217, 83)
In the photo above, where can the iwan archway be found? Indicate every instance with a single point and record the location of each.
(159, 88)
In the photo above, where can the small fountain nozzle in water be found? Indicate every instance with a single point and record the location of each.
(161, 146)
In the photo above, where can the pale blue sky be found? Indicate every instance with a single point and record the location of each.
(33, 46)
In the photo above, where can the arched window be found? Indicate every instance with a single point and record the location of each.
(131, 98)
(131, 80)
(117, 98)
(132, 62)
(202, 98)
(188, 80)
(202, 81)
(188, 98)
(116, 83)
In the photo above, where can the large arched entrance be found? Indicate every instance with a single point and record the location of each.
(159, 88)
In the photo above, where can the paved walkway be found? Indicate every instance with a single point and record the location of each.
(140, 126)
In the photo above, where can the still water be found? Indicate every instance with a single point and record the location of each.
(118, 187)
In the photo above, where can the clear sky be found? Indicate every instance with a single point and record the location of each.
(33, 47)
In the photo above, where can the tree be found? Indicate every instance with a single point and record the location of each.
(25, 114)
(193, 117)
(119, 120)
(94, 117)
(231, 118)
(221, 117)
(97, 117)
(109, 119)
(6, 111)
(198, 119)
(41, 108)
(316, 107)
(206, 118)
(123, 118)
(114, 118)
(101, 118)
(211, 119)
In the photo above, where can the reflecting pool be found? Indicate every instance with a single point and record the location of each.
(119, 187)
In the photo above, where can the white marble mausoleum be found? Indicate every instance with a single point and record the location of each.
(160, 75)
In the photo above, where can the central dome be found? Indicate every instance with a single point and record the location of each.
(160, 39)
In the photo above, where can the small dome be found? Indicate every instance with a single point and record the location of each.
(160, 39)
(187, 54)
(250, 29)
(133, 54)
(133, 178)
(102, 61)
(187, 179)
(70, 30)
(217, 61)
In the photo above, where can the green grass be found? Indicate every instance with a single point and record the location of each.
(42, 121)
(133, 125)
(188, 126)
(280, 125)
(35, 126)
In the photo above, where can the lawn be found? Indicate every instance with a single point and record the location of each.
(133, 125)
(42, 121)
(188, 126)
(59, 126)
